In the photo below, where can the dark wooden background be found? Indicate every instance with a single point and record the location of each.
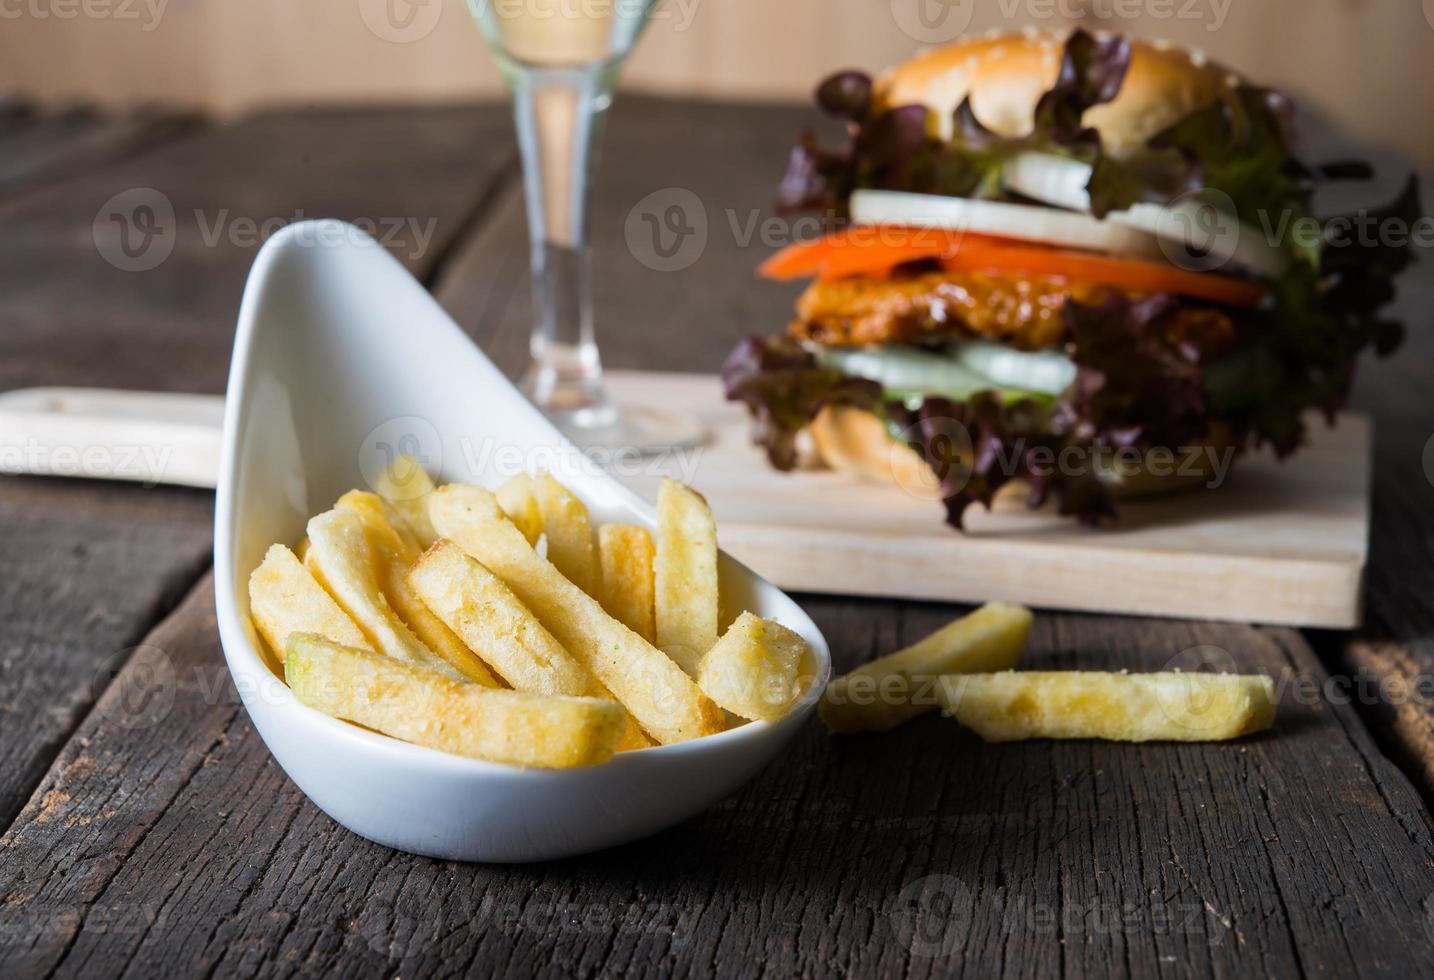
(147, 832)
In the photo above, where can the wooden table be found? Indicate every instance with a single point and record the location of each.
(146, 831)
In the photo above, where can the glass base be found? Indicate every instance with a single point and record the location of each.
(629, 429)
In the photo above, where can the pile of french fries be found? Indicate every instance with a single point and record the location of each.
(967, 668)
(499, 626)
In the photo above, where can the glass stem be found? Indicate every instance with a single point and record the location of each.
(559, 114)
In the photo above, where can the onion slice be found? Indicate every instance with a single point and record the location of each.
(1193, 240)
(1022, 221)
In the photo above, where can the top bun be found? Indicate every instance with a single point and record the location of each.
(1006, 74)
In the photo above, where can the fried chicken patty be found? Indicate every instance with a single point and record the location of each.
(1023, 312)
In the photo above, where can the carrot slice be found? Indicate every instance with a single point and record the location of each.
(859, 250)
(1136, 275)
(874, 250)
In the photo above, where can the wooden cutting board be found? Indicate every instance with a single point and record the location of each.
(1277, 543)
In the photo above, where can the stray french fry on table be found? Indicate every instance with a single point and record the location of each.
(887, 692)
(752, 670)
(1173, 706)
(284, 598)
(625, 552)
(685, 575)
(426, 708)
(663, 699)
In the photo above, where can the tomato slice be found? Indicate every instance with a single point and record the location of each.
(873, 250)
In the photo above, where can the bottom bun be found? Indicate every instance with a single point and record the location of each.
(857, 443)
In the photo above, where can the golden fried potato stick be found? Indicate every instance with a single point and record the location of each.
(1176, 707)
(406, 485)
(480, 609)
(346, 565)
(685, 575)
(663, 699)
(569, 530)
(484, 612)
(419, 706)
(625, 552)
(519, 501)
(285, 599)
(752, 670)
(887, 692)
(394, 551)
(384, 523)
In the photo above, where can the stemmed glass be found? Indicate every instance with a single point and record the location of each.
(561, 59)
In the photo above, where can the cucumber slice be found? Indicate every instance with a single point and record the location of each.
(1049, 372)
(911, 373)
(906, 369)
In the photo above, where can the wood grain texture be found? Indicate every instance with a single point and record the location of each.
(166, 840)
(38, 148)
(412, 176)
(86, 569)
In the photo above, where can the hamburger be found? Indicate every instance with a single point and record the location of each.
(1085, 264)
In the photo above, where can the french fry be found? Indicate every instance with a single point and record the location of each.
(285, 599)
(663, 699)
(476, 605)
(685, 575)
(519, 501)
(394, 550)
(343, 560)
(426, 708)
(385, 525)
(570, 533)
(880, 695)
(1179, 707)
(625, 552)
(406, 485)
(752, 670)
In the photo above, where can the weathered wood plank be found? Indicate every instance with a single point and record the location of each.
(38, 148)
(87, 569)
(415, 176)
(1398, 644)
(166, 840)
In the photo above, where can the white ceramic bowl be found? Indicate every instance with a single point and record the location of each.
(341, 359)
